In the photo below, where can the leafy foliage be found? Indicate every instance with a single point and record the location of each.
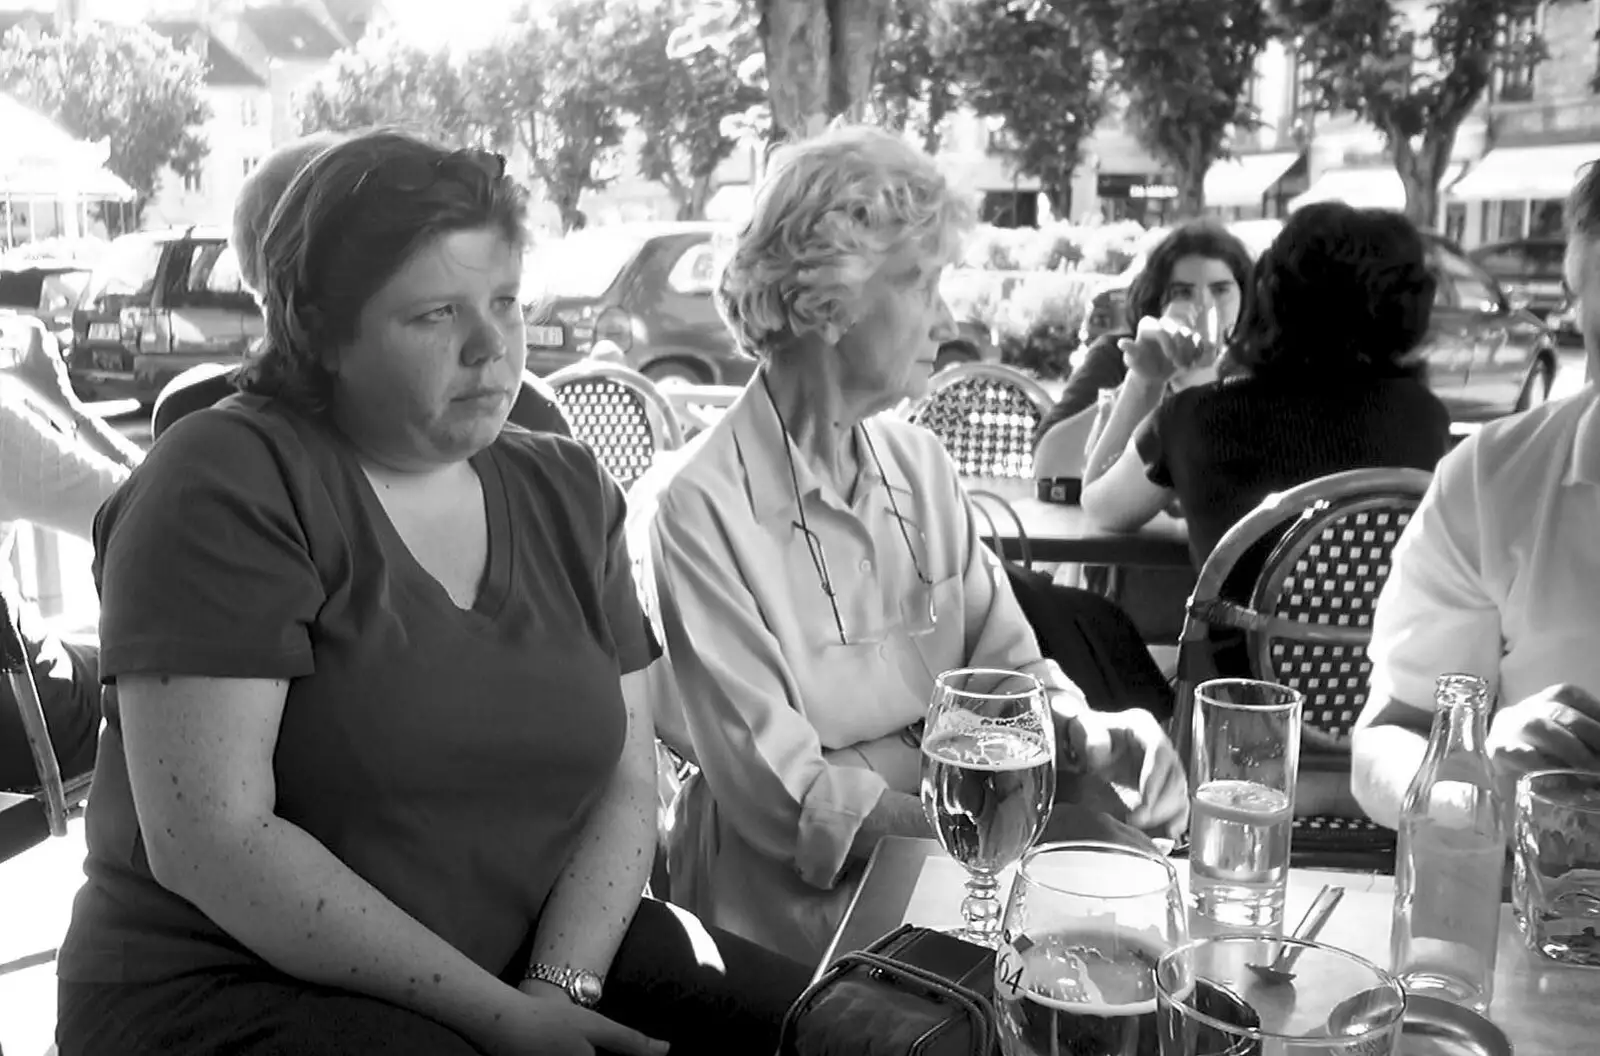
(385, 80)
(683, 100)
(1414, 79)
(123, 83)
(916, 87)
(1185, 67)
(1030, 64)
(552, 83)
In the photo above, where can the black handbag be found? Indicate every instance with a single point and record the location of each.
(914, 992)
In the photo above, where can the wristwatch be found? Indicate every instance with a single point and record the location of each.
(584, 987)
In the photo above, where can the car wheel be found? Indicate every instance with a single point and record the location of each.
(675, 375)
(953, 353)
(1537, 385)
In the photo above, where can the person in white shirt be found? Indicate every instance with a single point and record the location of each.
(814, 565)
(1498, 575)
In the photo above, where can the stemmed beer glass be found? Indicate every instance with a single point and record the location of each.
(988, 780)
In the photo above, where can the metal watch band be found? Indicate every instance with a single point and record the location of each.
(581, 986)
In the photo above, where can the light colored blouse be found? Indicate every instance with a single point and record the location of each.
(797, 735)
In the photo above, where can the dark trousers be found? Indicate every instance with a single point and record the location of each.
(704, 991)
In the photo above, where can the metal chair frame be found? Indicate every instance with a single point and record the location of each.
(666, 433)
(58, 799)
(957, 377)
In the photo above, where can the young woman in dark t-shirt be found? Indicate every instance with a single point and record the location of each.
(1322, 375)
(380, 774)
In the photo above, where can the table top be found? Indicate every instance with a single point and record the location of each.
(1059, 532)
(1543, 1007)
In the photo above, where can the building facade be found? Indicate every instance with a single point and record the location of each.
(1543, 128)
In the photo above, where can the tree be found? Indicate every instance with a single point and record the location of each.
(552, 81)
(385, 80)
(820, 55)
(1029, 64)
(125, 84)
(1416, 83)
(683, 102)
(1185, 67)
(916, 85)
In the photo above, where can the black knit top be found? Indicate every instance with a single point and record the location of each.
(1226, 446)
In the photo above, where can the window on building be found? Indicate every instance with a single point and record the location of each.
(1455, 221)
(1513, 219)
(249, 111)
(1544, 218)
(997, 139)
(193, 183)
(1518, 57)
(250, 165)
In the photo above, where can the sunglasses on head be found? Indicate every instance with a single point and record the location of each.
(411, 175)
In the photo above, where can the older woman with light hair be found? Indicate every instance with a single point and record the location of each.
(812, 566)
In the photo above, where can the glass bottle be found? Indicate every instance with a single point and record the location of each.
(1451, 856)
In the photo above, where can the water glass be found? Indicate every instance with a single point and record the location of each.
(1084, 928)
(1555, 893)
(1211, 1002)
(1246, 760)
(988, 780)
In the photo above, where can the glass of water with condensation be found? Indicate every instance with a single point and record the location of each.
(1246, 760)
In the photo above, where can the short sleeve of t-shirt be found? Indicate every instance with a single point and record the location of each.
(208, 519)
(1150, 442)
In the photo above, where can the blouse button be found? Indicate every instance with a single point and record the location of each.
(866, 566)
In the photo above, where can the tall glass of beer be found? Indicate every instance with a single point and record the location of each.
(1084, 929)
(988, 780)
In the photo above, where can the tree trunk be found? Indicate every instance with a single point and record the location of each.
(856, 28)
(1191, 191)
(693, 205)
(565, 199)
(795, 39)
(1420, 173)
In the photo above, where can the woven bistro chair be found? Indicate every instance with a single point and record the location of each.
(619, 413)
(985, 415)
(29, 815)
(1306, 620)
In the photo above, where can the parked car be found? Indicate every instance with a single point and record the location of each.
(46, 290)
(158, 303)
(1532, 272)
(645, 290)
(1487, 354)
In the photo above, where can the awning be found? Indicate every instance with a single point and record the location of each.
(1526, 172)
(1368, 187)
(1245, 180)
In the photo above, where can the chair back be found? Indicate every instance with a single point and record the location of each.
(619, 413)
(207, 384)
(1307, 617)
(985, 415)
(54, 798)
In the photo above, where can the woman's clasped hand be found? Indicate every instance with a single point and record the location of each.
(1180, 348)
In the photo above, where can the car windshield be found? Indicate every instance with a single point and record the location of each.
(582, 265)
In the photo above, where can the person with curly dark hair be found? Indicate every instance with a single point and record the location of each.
(1200, 262)
(1322, 374)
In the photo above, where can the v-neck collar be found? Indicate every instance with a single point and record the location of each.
(494, 587)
